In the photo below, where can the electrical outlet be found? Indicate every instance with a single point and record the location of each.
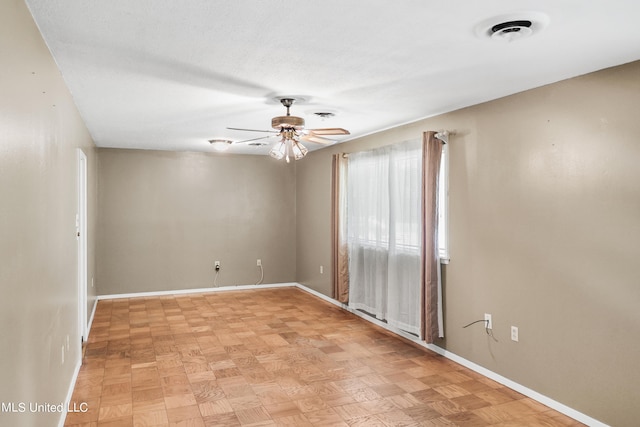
(322, 269)
(488, 323)
(259, 262)
(514, 333)
(217, 265)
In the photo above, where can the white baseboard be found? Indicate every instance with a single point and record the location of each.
(547, 401)
(93, 313)
(76, 370)
(72, 386)
(194, 291)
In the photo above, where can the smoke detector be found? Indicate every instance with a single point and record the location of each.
(512, 27)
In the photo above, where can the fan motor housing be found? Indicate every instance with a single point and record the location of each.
(287, 122)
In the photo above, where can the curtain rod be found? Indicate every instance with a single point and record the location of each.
(443, 135)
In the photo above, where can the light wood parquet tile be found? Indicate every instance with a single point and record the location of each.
(275, 357)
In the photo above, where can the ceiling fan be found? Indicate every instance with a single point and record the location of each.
(291, 131)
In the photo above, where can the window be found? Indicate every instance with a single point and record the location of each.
(384, 203)
(384, 225)
(385, 231)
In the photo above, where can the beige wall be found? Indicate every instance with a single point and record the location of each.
(40, 131)
(545, 225)
(165, 217)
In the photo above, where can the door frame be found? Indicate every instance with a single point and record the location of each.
(81, 235)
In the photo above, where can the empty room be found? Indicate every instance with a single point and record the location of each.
(319, 213)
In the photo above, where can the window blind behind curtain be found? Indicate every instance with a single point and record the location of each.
(384, 233)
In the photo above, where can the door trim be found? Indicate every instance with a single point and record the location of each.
(81, 235)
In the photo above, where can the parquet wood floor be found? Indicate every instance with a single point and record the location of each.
(275, 357)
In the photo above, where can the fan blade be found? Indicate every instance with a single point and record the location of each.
(255, 130)
(253, 139)
(330, 131)
(316, 139)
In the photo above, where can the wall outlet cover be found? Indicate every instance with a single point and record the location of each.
(488, 321)
(514, 333)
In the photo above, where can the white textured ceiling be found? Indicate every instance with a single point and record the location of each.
(170, 75)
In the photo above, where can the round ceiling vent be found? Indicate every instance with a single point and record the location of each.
(512, 27)
(325, 114)
(511, 30)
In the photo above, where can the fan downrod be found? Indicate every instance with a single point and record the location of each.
(288, 121)
(287, 103)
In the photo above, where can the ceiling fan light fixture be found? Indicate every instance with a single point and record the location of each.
(288, 149)
(290, 130)
(277, 152)
(220, 144)
(299, 150)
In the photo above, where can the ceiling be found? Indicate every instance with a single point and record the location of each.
(171, 75)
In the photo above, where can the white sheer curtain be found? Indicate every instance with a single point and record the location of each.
(384, 233)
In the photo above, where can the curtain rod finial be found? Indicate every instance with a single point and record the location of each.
(443, 135)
